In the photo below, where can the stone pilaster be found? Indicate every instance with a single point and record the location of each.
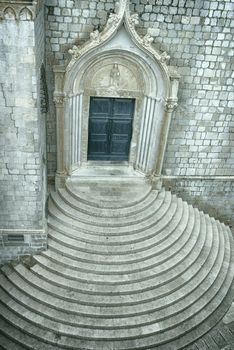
(23, 175)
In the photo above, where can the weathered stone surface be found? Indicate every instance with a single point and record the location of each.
(22, 175)
(15, 244)
(197, 35)
(127, 267)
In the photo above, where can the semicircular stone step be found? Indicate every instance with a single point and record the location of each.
(127, 268)
(107, 194)
(160, 239)
(165, 208)
(157, 303)
(107, 212)
(149, 257)
(124, 235)
(89, 218)
(128, 285)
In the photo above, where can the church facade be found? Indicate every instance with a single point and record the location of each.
(159, 72)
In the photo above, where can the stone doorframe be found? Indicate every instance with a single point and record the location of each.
(116, 62)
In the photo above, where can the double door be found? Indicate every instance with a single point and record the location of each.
(110, 128)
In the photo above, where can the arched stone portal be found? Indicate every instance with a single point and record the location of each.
(116, 63)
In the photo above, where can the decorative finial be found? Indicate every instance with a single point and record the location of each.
(164, 57)
(75, 52)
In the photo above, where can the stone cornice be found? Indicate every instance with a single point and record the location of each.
(23, 10)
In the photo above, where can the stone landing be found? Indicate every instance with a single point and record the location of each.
(127, 268)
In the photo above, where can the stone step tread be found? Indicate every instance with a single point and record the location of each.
(24, 340)
(159, 210)
(59, 222)
(95, 194)
(105, 245)
(105, 221)
(183, 220)
(156, 244)
(90, 218)
(129, 262)
(60, 342)
(186, 332)
(156, 327)
(77, 316)
(160, 302)
(177, 271)
(8, 344)
(107, 212)
(222, 336)
(166, 212)
(208, 342)
(125, 269)
(126, 288)
(192, 280)
(207, 262)
(160, 262)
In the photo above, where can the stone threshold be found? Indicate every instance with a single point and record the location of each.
(111, 170)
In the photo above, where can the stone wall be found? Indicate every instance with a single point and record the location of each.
(68, 22)
(13, 247)
(213, 196)
(42, 101)
(22, 139)
(197, 35)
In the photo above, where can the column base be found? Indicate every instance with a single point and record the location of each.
(60, 179)
(154, 181)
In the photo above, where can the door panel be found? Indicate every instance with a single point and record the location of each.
(110, 128)
(98, 139)
(120, 138)
(123, 108)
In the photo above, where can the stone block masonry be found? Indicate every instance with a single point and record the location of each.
(21, 243)
(22, 135)
(198, 37)
(67, 23)
(214, 196)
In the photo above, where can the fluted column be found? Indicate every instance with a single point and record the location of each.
(170, 105)
(59, 105)
(76, 107)
(149, 121)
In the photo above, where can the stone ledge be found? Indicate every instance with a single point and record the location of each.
(21, 232)
(197, 177)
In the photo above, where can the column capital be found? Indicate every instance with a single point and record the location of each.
(59, 100)
(170, 105)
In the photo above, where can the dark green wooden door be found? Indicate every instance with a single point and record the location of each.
(110, 128)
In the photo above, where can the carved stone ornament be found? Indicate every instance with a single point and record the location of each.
(170, 105)
(59, 100)
(23, 10)
(113, 20)
(95, 36)
(134, 20)
(114, 76)
(74, 52)
(147, 40)
(165, 57)
(173, 73)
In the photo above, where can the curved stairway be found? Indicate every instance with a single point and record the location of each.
(127, 268)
